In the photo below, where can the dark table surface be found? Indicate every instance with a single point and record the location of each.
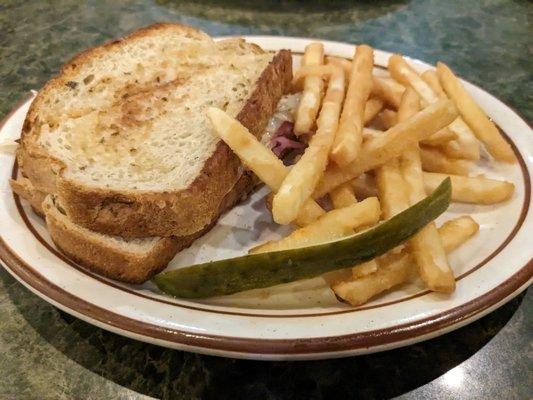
(47, 354)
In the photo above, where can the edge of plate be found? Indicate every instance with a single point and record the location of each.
(268, 349)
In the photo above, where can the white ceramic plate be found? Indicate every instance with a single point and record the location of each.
(303, 320)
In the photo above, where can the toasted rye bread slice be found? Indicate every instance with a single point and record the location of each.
(128, 260)
(122, 139)
(25, 189)
(133, 260)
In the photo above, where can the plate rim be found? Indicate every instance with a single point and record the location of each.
(398, 335)
(394, 336)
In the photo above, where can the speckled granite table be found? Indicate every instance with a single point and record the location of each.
(47, 354)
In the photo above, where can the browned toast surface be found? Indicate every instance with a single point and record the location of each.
(130, 212)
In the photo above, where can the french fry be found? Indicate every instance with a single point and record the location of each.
(343, 63)
(426, 245)
(372, 108)
(409, 106)
(474, 116)
(466, 145)
(404, 73)
(365, 268)
(455, 232)
(370, 133)
(433, 267)
(343, 196)
(393, 143)
(347, 274)
(392, 271)
(433, 160)
(430, 77)
(395, 269)
(311, 210)
(391, 185)
(471, 189)
(304, 71)
(332, 225)
(386, 119)
(396, 86)
(441, 137)
(349, 138)
(374, 105)
(299, 184)
(391, 189)
(388, 90)
(261, 160)
(313, 90)
(475, 190)
(337, 276)
(411, 167)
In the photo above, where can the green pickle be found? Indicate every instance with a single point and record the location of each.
(261, 270)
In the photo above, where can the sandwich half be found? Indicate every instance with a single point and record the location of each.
(120, 147)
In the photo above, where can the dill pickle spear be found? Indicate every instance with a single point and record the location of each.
(254, 271)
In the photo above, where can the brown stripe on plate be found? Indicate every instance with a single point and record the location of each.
(355, 341)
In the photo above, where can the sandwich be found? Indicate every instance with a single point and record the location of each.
(119, 157)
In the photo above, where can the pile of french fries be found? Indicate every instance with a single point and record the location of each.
(378, 144)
